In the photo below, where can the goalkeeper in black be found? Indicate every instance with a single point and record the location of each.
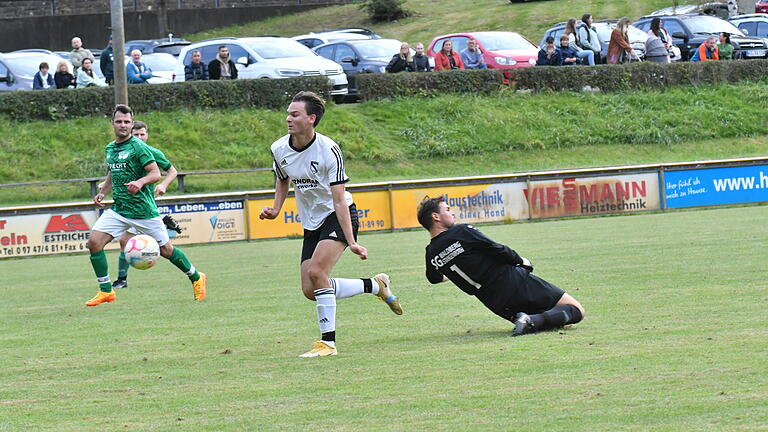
(500, 278)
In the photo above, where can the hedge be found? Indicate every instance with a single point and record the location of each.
(70, 103)
(537, 79)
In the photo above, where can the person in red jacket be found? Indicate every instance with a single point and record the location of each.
(447, 58)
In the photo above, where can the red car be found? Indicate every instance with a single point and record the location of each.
(761, 6)
(501, 49)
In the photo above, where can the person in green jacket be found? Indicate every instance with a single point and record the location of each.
(724, 47)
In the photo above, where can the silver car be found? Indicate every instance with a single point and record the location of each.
(18, 69)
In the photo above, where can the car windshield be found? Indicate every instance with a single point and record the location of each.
(378, 48)
(503, 41)
(711, 25)
(273, 48)
(159, 61)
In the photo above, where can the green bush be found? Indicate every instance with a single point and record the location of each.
(69, 103)
(384, 10)
(602, 77)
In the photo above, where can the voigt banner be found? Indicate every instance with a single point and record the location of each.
(46, 233)
(715, 186)
(574, 196)
(207, 222)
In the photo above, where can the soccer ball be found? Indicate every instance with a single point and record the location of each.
(142, 252)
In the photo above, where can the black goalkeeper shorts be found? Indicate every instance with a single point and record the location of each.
(530, 294)
(329, 230)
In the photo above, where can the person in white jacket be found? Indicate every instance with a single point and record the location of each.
(588, 37)
(86, 77)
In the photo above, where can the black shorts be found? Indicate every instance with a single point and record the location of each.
(329, 230)
(530, 294)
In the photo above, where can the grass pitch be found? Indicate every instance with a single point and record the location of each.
(674, 338)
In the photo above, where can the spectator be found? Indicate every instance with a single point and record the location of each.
(724, 48)
(86, 77)
(107, 62)
(222, 67)
(707, 51)
(733, 8)
(447, 58)
(657, 29)
(43, 80)
(587, 36)
(575, 43)
(136, 71)
(196, 70)
(655, 51)
(619, 49)
(79, 53)
(62, 77)
(472, 57)
(420, 61)
(549, 55)
(568, 55)
(402, 61)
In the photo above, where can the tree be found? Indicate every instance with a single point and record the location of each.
(384, 10)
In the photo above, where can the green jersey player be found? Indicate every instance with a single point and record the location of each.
(133, 170)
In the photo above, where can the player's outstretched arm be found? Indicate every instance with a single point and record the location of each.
(170, 176)
(281, 191)
(342, 213)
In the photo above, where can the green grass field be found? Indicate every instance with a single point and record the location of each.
(674, 338)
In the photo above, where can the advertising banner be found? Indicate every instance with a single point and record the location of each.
(48, 233)
(715, 186)
(207, 222)
(594, 195)
(372, 211)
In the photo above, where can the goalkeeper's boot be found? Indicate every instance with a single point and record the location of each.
(320, 349)
(171, 223)
(385, 294)
(199, 286)
(119, 283)
(523, 324)
(101, 297)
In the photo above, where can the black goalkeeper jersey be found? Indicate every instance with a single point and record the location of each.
(476, 264)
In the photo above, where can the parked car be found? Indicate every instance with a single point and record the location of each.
(761, 6)
(752, 24)
(163, 67)
(18, 69)
(604, 28)
(360, 56)
(501, 49)
(169, 45)
(717, 9)
(316, 39)
(690, 31)
(267, 57)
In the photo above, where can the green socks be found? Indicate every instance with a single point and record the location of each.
(122, 266)
(182, 262)
(101, 268)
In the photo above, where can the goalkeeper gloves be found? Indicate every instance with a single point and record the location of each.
(171, 223)
(526, 264)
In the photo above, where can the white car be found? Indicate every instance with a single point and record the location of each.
(316, 39)
(267, 57)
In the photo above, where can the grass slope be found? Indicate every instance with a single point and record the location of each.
(430, 19)
(414, 137)
(672, 339)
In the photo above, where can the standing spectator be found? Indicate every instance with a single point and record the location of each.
(472, 57)
(222, 67)
(136, 71)
(733, 8)
(707, 51)
(575, 43)
(62, 77)
(549, 55)
(587, 35)
(420, 61)
(655, 51)
(196, 70)
(402, 61)
(107, 63)
(724, 48)
(43, 80)
(79, 53)
(619, 48)
(568, 55)
(657, 29)
(447, 58)
(86, 77)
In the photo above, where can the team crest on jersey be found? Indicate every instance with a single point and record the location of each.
(313, 166)
(123, 154)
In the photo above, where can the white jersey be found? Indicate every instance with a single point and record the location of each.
(313, 169)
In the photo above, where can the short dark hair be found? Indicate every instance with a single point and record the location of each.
(426, 208)
(550, 39)
(313, 103)
(139, 125)
(43, 65)
(120, 108)
(220, 47)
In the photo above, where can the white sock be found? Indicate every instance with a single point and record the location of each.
(326, 311)
(352, 287)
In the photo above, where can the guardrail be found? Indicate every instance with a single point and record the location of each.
(94, 181)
